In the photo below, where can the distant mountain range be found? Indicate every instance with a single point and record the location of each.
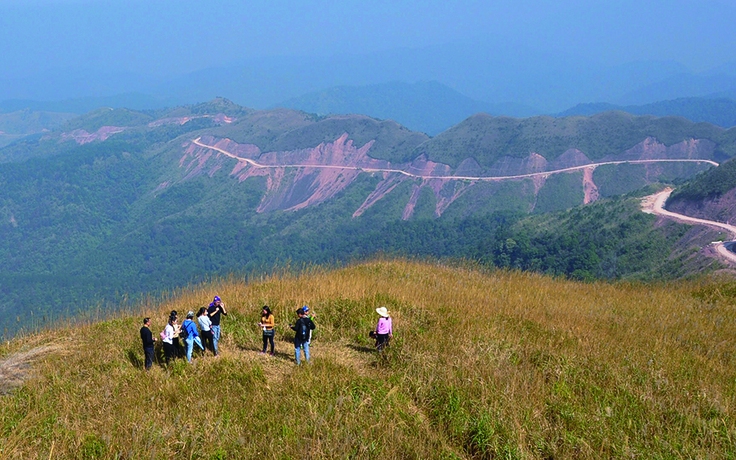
(718, 111)
(79, 106)
(429, 107)
(545, 81)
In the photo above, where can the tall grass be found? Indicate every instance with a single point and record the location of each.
(483, 365)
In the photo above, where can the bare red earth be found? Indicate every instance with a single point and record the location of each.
(301, 178)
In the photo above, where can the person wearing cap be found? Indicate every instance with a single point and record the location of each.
(384, 328)
(302, 329)
(216, 308)
(192, 336)
(148, 342)
(267, 324)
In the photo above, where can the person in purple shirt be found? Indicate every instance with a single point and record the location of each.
(384, 328)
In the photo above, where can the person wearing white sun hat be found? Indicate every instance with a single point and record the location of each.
(384, 328)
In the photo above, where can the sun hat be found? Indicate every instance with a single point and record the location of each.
(190, 314)
(382, 311)
(217, 297)
(305, 309)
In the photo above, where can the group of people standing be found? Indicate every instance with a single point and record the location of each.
(302, 328)
(208, 319)
(209, 329)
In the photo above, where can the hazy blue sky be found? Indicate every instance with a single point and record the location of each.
(165, 36)
(161, 38)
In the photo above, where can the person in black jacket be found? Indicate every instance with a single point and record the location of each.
(216, 308)
(302, 331)
(148, 342)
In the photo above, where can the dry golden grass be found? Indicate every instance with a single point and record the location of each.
(483, 365)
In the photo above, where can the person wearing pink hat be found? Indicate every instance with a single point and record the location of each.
(384, 328)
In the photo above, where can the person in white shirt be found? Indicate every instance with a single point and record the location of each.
(168, 339)
(205, 329)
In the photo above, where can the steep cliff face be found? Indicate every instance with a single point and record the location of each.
(301, 178)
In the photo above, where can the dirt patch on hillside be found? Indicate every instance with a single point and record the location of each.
(18, 367)
(356, 359)
(589, 187)
(81, 136)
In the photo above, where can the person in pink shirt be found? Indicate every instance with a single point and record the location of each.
(384, 328)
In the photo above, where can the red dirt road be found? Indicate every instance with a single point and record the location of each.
(471, 178)
(654, 204)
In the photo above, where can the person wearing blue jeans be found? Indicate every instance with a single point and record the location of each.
(216, 308)
(192, 335)
(302, 331)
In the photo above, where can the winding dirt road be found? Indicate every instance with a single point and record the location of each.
(472, 178)
(654, 204)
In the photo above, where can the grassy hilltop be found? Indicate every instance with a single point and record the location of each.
(484, 365)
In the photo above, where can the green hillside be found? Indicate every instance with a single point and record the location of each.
(488, 138)
(17, 124)
(483, 364)
(90, 227)
(24, 122)
(708, 185)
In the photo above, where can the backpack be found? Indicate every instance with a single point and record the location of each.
(183, 331)
(305, 326)
(304, 332)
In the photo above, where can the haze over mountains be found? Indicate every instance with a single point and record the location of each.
(509, 59)
(491, 132)
(427, 67)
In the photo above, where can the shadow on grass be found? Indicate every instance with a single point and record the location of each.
(287, 356)
(134, 359)
(283, 356)
(362, 349)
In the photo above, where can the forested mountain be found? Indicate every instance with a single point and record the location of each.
(710, 195)
(17, 124)
(118, 202)
(720, 111)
